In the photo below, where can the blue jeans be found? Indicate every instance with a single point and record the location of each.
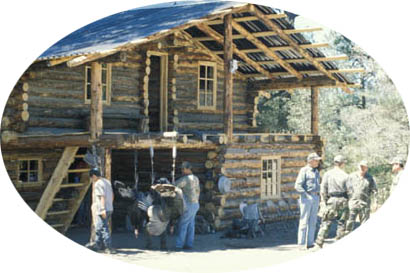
(308, 218)
(186, 226)
(102, 231)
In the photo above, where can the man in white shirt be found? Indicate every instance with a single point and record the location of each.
(103, 198)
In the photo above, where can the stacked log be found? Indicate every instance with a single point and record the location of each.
(241, 163)
(16, 113)
(173, 110)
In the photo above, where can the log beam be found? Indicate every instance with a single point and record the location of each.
(289, 83)
(228, 79)
(315, 111)
(96, 106)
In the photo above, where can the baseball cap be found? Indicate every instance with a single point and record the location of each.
(397, 160)
(95, 172)
(363, 163)
(313, 156)
(339, 159)
(186, 165)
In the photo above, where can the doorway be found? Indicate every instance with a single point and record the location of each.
(157, 92)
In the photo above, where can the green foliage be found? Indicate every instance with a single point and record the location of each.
(275, 113)
(370, 124)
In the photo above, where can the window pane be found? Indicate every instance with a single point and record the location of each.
(202, 98)
(33, 165)
(23, 165)
(104, 93)
(23, 177)
(33, 176)
(88, 91)
(202, 85)
(104, 76)
(264, 165)
(210, 99)
(210, 85)
(88, 75)
(269, 164)
(202, 69)
(210, 72)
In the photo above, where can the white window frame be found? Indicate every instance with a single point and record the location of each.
(270, 188)
(215, 84)
(28, 171)
(106, 84)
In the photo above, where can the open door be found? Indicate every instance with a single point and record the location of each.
(157, 92)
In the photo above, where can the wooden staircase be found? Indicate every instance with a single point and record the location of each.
(62, 197)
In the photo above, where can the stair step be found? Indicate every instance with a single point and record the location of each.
(54, 213)
(62, 199)
(57, 225)
(72, 185)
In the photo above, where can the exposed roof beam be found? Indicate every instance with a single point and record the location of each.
(289, 83)
(292, 43)
(308, 72)
(247, 18)
(265, 49)
(58, 61)
(293, 83)
(219, 59)
(279, 48)
(263, 33)
(220, 39)
(302, 60)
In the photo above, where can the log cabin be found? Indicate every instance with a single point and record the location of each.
(155, 80)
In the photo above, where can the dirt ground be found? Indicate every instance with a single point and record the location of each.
(211, 253)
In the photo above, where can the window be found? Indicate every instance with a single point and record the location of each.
(270, 177)
(105, 80)
(207, 85)
(29, 171)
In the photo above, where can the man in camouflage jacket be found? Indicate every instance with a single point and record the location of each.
(333, 192)
(361, 186)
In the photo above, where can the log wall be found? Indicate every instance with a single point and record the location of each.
(31, 192)
(192, 118)
(55, 98)
(241, 162)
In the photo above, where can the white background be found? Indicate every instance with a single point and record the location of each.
(29, 27)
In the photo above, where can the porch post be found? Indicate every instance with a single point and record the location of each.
(96, 106)
(315, 111)
(228, 81)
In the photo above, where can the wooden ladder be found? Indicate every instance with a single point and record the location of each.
(60, 201)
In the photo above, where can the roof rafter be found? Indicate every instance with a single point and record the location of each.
(294, 45)
(264, 33)
(220, 39)
(303, 60)
(247, 18)
(265, 49)
(279, 48)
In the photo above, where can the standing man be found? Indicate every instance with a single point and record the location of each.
(103, 197)
(333, 192)
(397, 169)
(361, 186)
(307, 185)
(189, 184)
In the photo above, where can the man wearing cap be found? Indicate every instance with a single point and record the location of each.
(333, 192)
(397, 169)
(189, 184)
(360, 186)
(307, 185)
(103, 198)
